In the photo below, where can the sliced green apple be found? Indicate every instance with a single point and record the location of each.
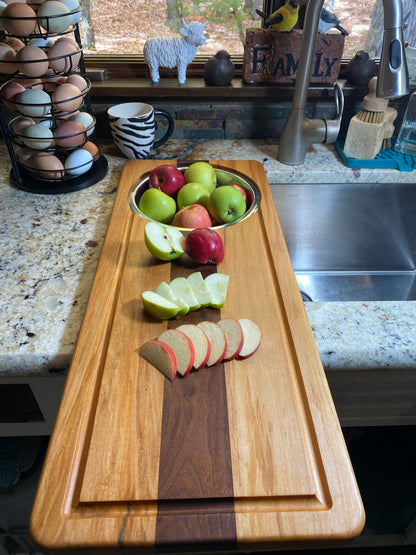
(200, 288)
(182, 290)
(163, 241)
(158, 306)
(165, 290)
(217, 284)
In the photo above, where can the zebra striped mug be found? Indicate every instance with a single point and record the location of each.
(133, 128)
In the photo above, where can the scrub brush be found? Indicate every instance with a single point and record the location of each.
(372, 107)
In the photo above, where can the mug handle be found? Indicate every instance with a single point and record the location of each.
(169, 130)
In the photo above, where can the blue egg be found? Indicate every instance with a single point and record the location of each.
(78, 162)
(73, 6)
(34, 103)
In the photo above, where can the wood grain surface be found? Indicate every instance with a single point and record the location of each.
(248, 453)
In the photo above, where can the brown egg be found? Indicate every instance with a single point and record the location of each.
(92, 148)
(10, 92)
(20, 123)
(51, 80)
(15, 1)
(26, 156)
(67, 98)
(63, 57)
(70, 134)
(14, 43)
(49, 166)
(7, 59)
(18, 19)
(32, 83)
(70, 40)
(32, 61)
(35, 4)
(78, 81)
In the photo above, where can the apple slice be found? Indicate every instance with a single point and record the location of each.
(157, 306)
(165, 290)
(200, 288)
(217, 284)
(234, 336)
(182, 290)
(217, 340)
(182, 347)
(161, 356)
(201, 343)
(252, 337)
(163, 241)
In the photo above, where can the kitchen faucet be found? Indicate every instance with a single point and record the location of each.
(393, 81)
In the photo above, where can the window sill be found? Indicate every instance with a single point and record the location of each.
(195, 89)
(127, 77)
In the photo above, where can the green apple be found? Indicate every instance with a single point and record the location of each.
(226, 204)
(192, 193)
(157, 205)
(157, 306)
(165, 290)
(217, 284)
(200, 288)
(182, 289)
(163, 241)
(203, 173)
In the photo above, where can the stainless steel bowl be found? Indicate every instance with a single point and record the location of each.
(224, 177)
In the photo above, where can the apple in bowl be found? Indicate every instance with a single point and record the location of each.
(235, 197)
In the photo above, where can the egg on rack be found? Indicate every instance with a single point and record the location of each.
(51, 138)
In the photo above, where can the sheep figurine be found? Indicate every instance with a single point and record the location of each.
(173, 52)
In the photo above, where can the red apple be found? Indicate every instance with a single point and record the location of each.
(192, 216)
(182, 347)
(166, 178)
(234, 336)
(241, 189)
(251, 337)
(217, 339)
(205, 246)
(161, 356)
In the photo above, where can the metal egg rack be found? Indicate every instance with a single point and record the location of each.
(26, 174)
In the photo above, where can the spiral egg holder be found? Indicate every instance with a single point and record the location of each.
(51, 139)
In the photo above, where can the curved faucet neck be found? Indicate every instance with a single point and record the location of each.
(299, 131)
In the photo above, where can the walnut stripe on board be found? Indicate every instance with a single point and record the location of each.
(195, 490)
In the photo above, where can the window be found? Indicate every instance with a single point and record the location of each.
(122, 27)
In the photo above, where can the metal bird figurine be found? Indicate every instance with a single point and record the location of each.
(329, 20)
(283, 19)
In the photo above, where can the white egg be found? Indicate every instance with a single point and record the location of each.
(78, 162)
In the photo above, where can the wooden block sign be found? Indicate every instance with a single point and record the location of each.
(272, 57)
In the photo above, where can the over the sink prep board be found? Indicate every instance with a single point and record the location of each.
(248, 453)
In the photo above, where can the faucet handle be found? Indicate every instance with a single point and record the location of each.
(333, 125)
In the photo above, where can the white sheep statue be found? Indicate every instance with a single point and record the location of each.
(173, 52)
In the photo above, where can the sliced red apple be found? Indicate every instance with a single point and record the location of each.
(252, 337)
(182, 347)
(161, 356)
(217, 340)
(234, 336)
(201, 343)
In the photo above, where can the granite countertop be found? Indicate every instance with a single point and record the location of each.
(50, 245)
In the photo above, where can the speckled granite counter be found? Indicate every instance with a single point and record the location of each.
(50, 247)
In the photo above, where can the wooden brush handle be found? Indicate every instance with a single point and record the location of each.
(371, 102)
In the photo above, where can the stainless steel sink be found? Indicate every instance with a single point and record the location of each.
(350, 242)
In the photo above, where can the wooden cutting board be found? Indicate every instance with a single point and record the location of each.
(245, 454)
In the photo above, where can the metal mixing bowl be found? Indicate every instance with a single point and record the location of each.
(224, 177)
